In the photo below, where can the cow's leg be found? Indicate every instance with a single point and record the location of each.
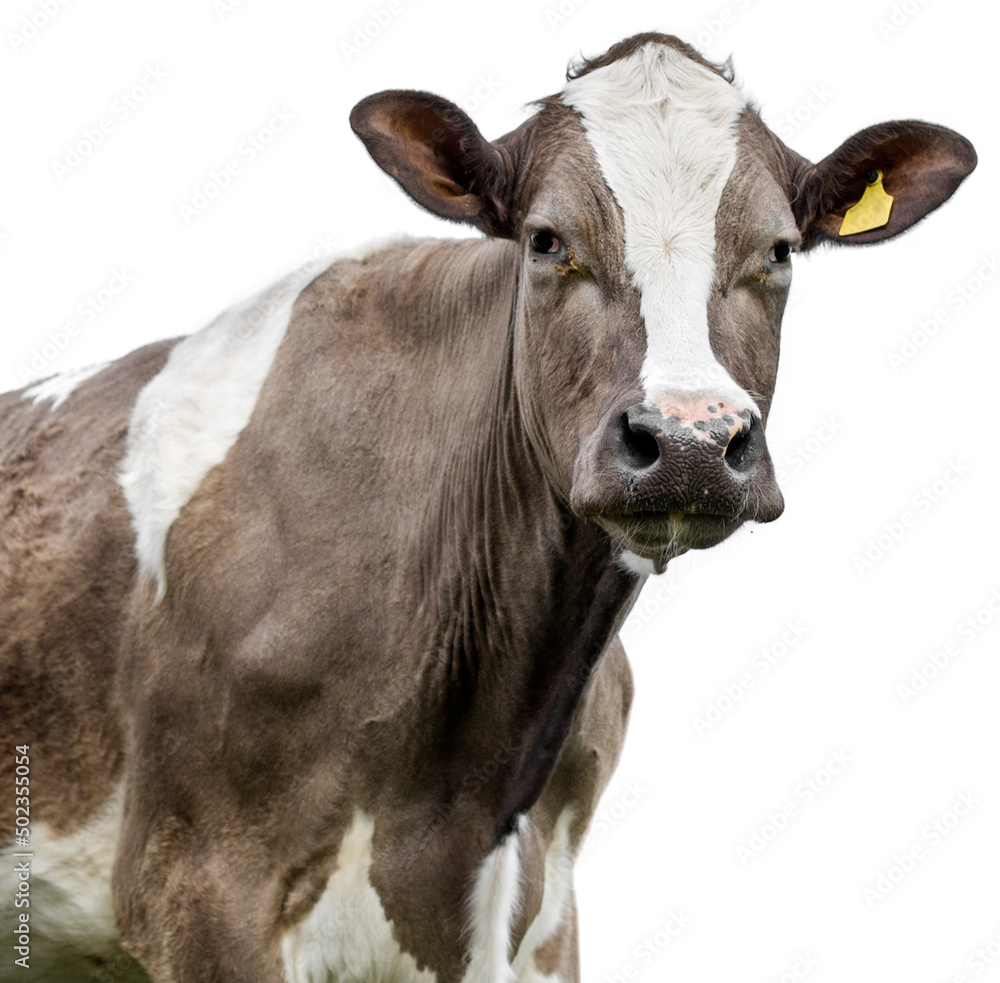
(548, 951)
(557, 960)
(193, 908)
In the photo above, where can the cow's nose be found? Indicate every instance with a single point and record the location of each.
(646, 436)
(699, 456)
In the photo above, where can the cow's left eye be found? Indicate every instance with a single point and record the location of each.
(779, 253)
(545, 242)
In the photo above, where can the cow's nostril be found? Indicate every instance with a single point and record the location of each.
(637, 448)
(744, 449)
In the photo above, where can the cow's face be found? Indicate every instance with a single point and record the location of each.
(655, 218)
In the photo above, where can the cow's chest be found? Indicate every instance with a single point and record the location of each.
(348, 936)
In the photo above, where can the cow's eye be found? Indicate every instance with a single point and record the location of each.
(545, 242)
(780, 253)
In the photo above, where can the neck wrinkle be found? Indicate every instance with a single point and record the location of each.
(518, 600)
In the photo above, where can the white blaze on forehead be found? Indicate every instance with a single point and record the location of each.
(664, 130)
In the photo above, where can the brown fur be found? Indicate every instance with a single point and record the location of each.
(382, 598)
(66, 570)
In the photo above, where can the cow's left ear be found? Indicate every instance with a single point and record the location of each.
(438, 156)
(920, 164)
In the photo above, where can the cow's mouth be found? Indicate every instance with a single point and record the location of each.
(660, 536)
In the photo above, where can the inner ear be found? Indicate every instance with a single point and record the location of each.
(437, 155)
(921, 166)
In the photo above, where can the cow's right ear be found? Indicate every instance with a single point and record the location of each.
(919, 164)
(437, 155)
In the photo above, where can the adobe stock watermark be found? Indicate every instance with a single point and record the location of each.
(966, 632)
(221, 177)
(932, 835)
(807, 449)
(780, 818)
(484, 89)
(371, 28)
(712, 28)
(898, 16)
(651, 947)
(658, 593)
(559, 13)
(250, 320)
(955, 301)
(978, 961)
(223, 8)
(795, 119)
(802, 965)
(122, 107)
(36, 364)
(610, 814)
(763, 661)
(31, 25)
(895, 530)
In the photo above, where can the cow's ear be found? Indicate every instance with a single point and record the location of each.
(920, 164)
(437, 155)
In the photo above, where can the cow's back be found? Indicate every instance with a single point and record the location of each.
(66, 572)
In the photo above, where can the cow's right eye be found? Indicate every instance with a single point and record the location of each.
(545, 242)
(780, 253)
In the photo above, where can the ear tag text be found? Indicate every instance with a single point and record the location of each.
(872, 212)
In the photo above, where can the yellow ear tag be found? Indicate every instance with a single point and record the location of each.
(872, 212)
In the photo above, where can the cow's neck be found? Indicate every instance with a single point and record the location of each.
(519, 598)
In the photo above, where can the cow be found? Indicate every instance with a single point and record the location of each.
(308, 620)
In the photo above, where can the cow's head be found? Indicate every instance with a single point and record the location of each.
(655, 217)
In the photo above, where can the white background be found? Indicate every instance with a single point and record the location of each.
(870, 435)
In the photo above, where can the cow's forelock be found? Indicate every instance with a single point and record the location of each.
(664, 130)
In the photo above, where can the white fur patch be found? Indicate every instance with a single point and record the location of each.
(556, 894)
(494, 900)
(60, 387)
(71, 914)
(636, 564)
(190, 414)
(664, 130)
(346, 936)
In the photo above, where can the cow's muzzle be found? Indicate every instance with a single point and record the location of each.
(681, 475)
